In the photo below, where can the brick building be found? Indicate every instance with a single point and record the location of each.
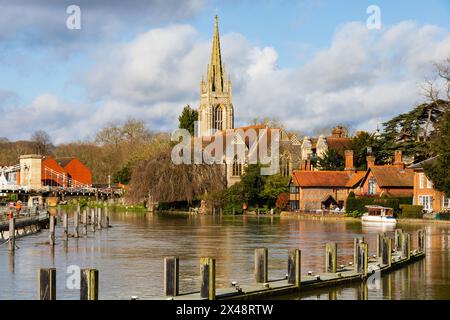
(316, 190)
(425, 195)
(65, 172)
(387, 180)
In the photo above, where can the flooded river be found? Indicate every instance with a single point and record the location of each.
(129, 256)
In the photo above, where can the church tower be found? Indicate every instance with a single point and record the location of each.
(216, 108)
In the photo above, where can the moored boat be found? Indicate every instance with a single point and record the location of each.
(379, 215)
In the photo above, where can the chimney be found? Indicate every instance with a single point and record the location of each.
(349, 166)
(398, 159)
(370, 161)
(308, 165)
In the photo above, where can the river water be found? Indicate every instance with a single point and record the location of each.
(129, 256)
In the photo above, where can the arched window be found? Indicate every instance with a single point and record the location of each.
(285, 165)
(237, 167)
(218, 118)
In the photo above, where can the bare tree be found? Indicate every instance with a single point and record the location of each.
(436, 90)
(42, 142)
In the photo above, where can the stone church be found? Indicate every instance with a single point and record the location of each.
(216, 115)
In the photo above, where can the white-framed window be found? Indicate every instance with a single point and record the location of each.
(421, 180)
(372, 186)
(294, 189)
(426, 202)
(445, 202)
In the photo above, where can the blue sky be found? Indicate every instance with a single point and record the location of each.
(91, 77)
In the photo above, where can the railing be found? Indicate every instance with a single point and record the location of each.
(25, 213)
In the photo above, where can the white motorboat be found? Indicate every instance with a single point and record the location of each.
(379, 215)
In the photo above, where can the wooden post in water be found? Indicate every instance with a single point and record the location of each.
(47, 284)
(76, 222)
(99, 219)
(386, 252)
(89, 284)
(106, 218)
(380, 237)
(65, 226)
(331, 258)
(398, 239)
(406, 246)
(92, 220)
(171, 276)
(261, 265)
(85, 222)
(362, 258)
(208, 278)
(294, 267)
(356, 242)
(12, 234)
(52, 230)
(421, 240)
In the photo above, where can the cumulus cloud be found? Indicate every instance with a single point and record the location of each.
(364, 76)
(43, 22)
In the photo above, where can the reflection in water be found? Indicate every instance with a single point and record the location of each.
(130, 255)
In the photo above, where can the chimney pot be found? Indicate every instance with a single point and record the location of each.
(370, 161)
(349, 165)
(398, 159)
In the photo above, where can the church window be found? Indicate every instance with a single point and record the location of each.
(218, 118)
(285, 165)
(237, 168)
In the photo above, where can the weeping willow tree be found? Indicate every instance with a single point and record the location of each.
(160, 180)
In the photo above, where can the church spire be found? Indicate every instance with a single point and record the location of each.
(216, 74)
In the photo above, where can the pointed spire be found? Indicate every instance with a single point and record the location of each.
(215, 70)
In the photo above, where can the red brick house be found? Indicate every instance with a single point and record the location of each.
(316, 190)
(390, 180)
(425, 195)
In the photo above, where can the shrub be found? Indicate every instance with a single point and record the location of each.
(282, 201)
(359, 204)
(354, 214)
(411, 211)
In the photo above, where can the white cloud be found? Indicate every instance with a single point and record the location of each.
(364, 76)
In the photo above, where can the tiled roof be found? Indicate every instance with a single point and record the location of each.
(356, 179)
(392, 176)
(64, 161)
(339, 144)
(327, 179)
(419, 165)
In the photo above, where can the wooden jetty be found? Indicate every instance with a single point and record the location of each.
(24, 224)
(389, 257)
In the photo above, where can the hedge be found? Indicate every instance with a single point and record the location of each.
(411, 211)
(359, 204)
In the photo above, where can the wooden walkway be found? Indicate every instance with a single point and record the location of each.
(25, 221)
(394, 256)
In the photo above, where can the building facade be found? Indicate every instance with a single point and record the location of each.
(323, 190)
(387, 180)
(425, 194)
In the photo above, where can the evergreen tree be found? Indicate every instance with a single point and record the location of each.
(360, 145)
(331, 160)
(438, 170)
(187, 119)
(410, 132)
